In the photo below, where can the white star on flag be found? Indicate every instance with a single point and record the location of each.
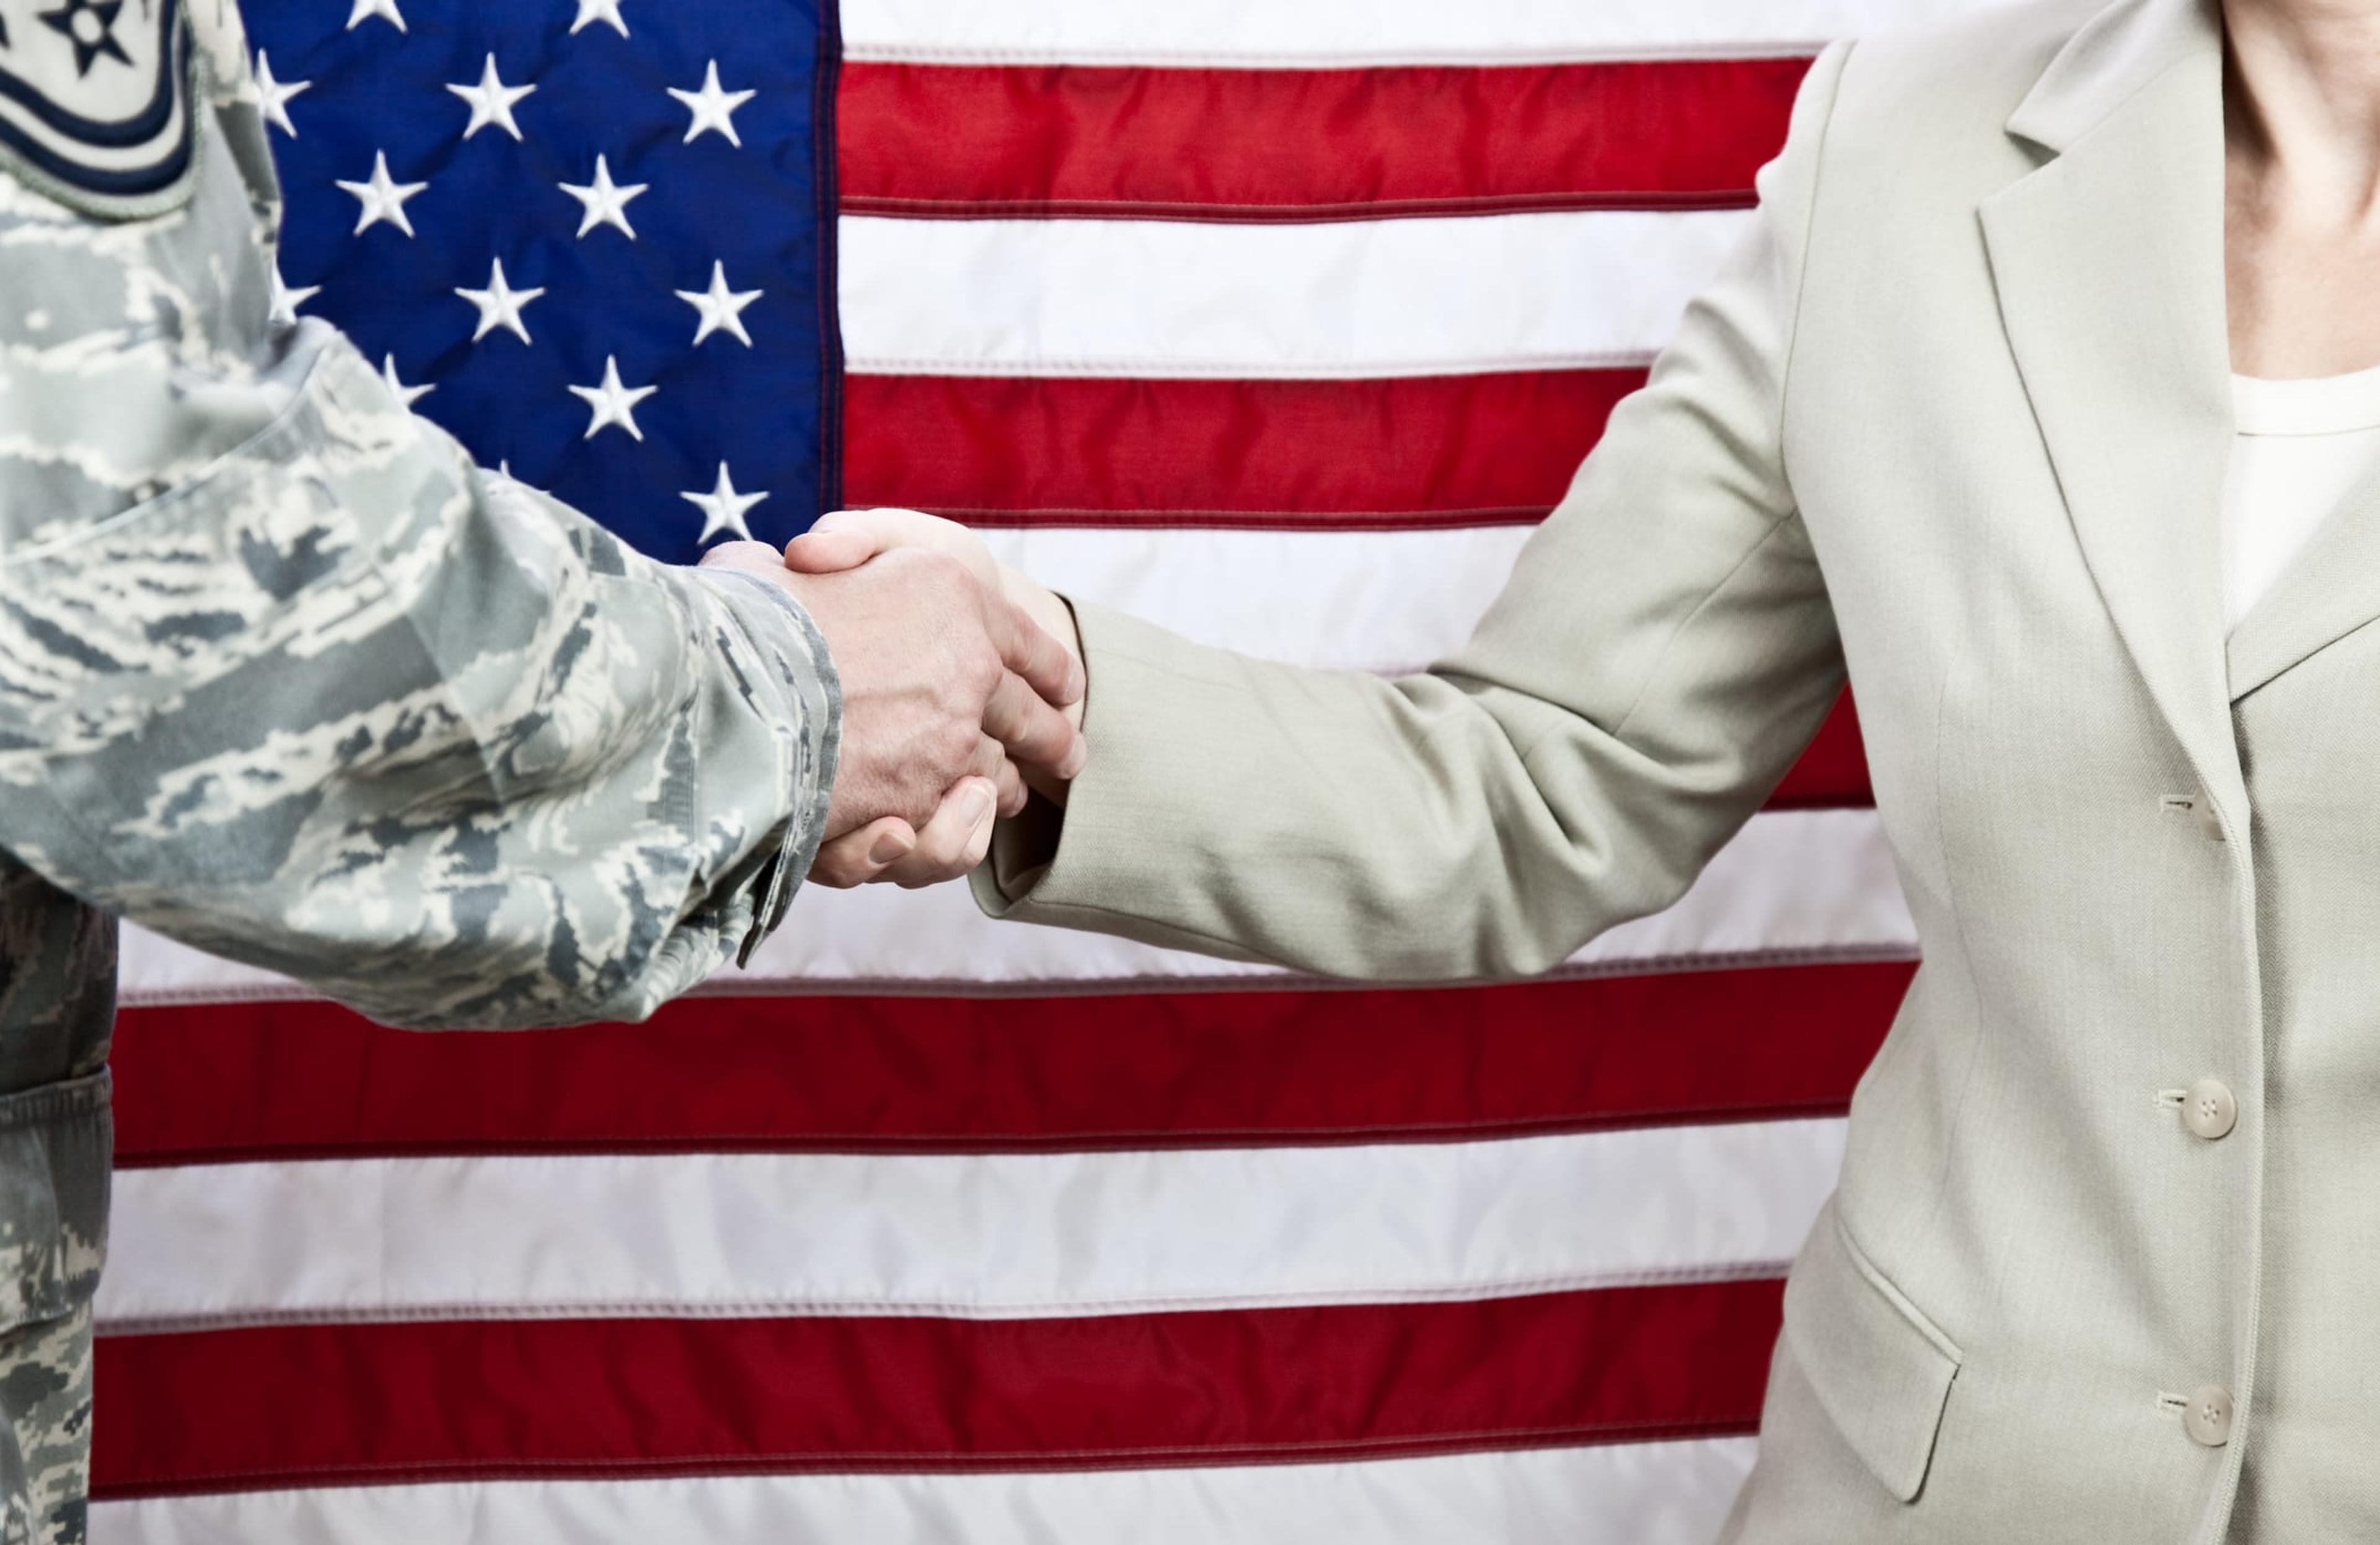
(722, 509)
(606, 11)
(491, 101)
(365, 9)
(719, 307)
(711, 107)
(613, 402)
(605, 201)
(382, 198)
(500, 304)
(286, 300)
(274, 96)
(405, 395)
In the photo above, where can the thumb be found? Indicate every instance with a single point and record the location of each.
(832, 546)
(846, 538)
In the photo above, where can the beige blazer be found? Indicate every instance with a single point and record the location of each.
(1955, 421)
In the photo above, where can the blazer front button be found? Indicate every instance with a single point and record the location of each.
(2209, 1111)
(2207, 1418)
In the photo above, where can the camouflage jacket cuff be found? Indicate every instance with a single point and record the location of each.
(813, 724)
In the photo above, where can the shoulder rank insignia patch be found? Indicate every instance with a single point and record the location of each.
(94, 99)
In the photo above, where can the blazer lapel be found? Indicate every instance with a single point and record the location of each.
(2108, 263)
(2328, 590)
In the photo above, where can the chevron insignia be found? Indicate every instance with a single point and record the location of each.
(94, 99)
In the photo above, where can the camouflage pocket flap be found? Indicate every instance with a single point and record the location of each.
(55, 1143)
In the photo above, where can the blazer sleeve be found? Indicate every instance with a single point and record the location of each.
(1663, 651)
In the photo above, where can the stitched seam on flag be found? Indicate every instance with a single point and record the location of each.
(1129, 369)
(1196, 520)
(835, 1461)
(825, 167)
(1417, 58)
(822, 1308)
(1240, 1456)
(1226, 212)
(961, 1145)
(150, 1496)
(1275, 979)
(1270, 979)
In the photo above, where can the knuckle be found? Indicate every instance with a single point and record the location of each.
(957, 742)
(981, 667)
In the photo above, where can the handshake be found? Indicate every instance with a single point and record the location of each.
(962, 689)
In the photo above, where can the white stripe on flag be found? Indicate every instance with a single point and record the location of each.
(1668, 1493)
(1311, 35)
(1002, 1235)
(1373, 298)
(1817, 883)
(1365, 601)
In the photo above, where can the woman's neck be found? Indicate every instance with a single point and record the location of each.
(2302, 185)
(2302, 102)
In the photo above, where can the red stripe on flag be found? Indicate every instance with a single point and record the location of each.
(1142, 143)
(1407, 452)
(291, 1405)
(243, 1081)
(1831, 773)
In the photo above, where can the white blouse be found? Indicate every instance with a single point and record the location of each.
(2300, 446)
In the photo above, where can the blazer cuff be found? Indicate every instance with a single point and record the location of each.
(1087, 865)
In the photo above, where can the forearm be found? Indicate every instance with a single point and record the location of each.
(344, 707)
(1432, 828)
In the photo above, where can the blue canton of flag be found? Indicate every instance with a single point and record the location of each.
(593, 238)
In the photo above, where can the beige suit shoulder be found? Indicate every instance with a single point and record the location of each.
(1907, 93)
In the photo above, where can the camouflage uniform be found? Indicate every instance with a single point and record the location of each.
(283, 675)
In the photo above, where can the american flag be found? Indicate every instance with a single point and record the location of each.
(1276, 323)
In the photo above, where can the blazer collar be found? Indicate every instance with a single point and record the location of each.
(2108, 58)
(2329, 589)
(2107, 259)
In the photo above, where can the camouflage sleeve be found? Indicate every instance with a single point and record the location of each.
(285, 676)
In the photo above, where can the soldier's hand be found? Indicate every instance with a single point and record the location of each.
(944, 681)
(846, 538)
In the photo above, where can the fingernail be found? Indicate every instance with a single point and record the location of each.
(888, 847)
(1076, 755)
(976, 805)
(1077, 682)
